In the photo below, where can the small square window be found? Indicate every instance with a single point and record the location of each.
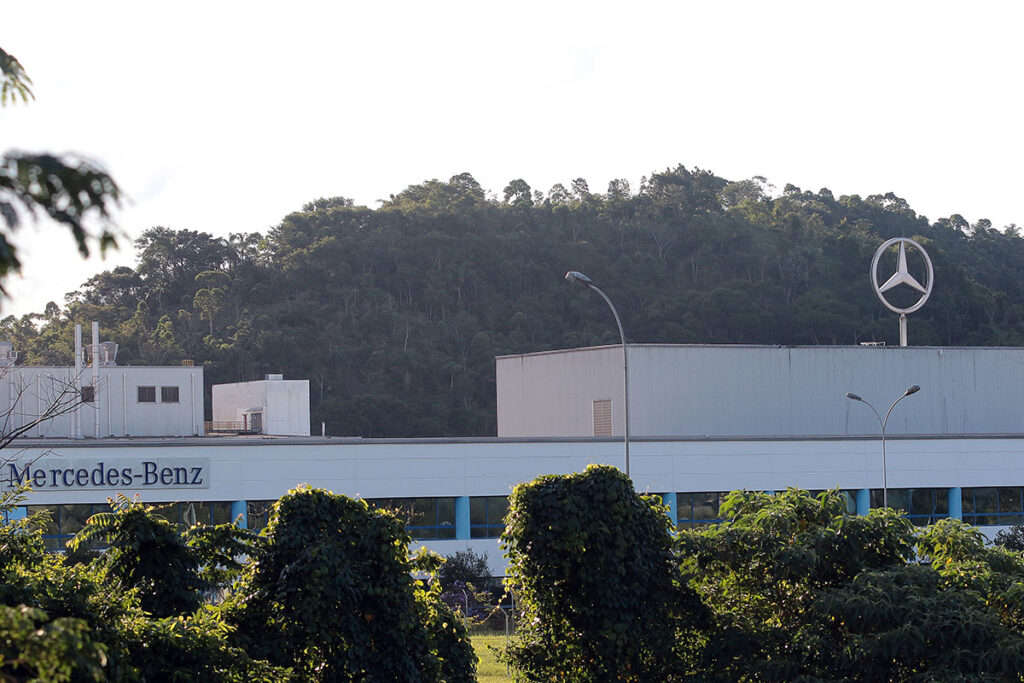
(88, 394)
(168, 394)
(147, 394)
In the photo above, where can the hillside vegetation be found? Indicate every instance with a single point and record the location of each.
(395, 314)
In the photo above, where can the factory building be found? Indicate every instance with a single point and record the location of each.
(704, 420)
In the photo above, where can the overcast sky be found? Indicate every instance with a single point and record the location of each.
(224, 117)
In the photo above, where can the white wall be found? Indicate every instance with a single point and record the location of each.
(284, 403)
(265, 469)
(26, 392)
(736, 390)
(552, 394)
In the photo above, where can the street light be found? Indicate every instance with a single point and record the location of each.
(578, 278)
(854, 397)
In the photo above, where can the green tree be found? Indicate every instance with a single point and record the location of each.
(82, 621)
(334, 596)
(592, 570)
(170, 571)
(801, 589)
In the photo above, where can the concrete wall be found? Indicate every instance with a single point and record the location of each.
(735, 390)
(27, 392)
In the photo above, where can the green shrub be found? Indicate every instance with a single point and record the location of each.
(593, 573)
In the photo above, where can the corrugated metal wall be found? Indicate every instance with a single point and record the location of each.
(733, 390)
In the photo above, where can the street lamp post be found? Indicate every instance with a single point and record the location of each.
(579, 278)
(881, 422)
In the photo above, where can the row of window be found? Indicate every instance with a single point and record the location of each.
(923, 506)
(425, 518)
(167, 394)
(144, 395)
(993, 505)
(67, 520)
(434, 518)
(981, 506)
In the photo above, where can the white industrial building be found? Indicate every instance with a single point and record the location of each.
(760, 391)
(270, 406)
(704, 419)
(96, 398)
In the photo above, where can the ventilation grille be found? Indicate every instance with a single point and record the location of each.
(603, 417)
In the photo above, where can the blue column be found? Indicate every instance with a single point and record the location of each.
(20, 512)
(863, 501)
(956, 509)
(239, 514)
(669, 499)
(462, 518)
(770, 492)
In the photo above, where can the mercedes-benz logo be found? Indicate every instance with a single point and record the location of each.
(902, 275)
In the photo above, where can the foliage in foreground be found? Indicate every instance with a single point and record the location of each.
(334, 597)
(66, 621)
(791, 588)
(70, 189)
(592, 567)
(331, 575)
(802, 590)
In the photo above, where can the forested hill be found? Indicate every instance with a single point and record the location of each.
(395, 314)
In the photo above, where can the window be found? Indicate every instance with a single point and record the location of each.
(257, 513)
(849, 495)
(88, 394)
(487, 516)
(424, 518)
(147, 394)
(992, 506)
(699, 508)
(922, 506)
(64, 521)
(168, 394)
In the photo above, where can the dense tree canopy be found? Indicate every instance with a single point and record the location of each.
(790, 587)
(395, 314)
(334, 597)
(591, 564)
(326, 594)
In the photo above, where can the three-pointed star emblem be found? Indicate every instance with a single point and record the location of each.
(902, 276)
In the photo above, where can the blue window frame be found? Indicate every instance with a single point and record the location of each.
(992, 506)
(694, 509)
(487, 516)
(64, 521)
(257, 513)
(425, 518)
(922, 506)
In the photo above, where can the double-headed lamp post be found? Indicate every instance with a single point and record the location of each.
(881, 423)
(579, 278)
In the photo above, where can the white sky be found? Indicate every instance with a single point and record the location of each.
(226, 116)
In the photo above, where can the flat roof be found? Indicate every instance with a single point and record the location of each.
(871, 347)
(264, 440)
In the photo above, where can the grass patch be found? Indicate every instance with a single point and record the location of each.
(489, 669)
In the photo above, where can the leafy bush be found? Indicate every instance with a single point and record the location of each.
(334, 597)
(81, 621)
(1012, 538)
(592, 568)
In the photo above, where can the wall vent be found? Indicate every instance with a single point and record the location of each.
(603, 417)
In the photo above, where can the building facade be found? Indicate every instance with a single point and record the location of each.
(113, 401)
(705, 421)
